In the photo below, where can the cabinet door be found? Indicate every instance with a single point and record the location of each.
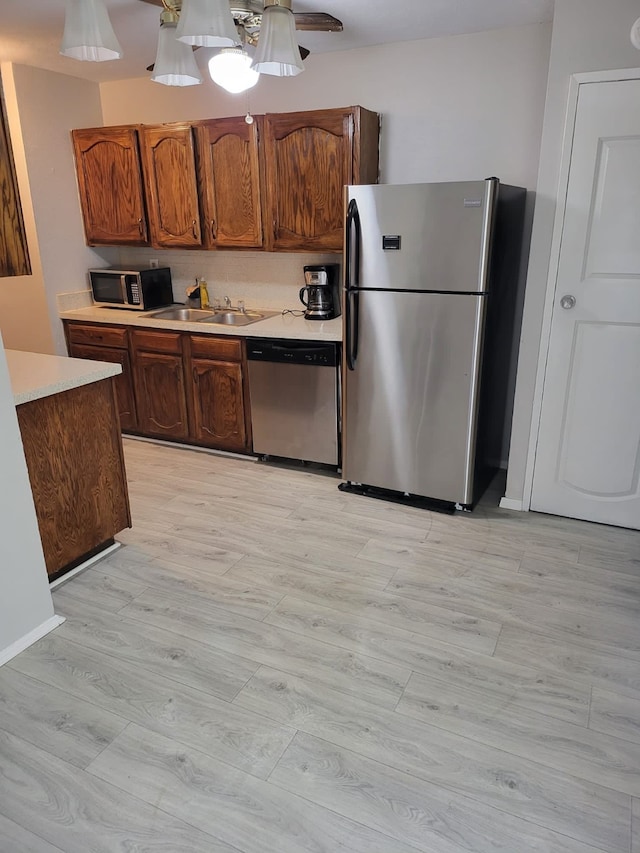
(218, 404)
(123, 382)
(172, 195)
(110, 186)
(160, 394)
(308, 161)
(229, 172)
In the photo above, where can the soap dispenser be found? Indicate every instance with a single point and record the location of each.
(204, 293)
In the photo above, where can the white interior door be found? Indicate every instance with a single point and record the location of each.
(588, 455)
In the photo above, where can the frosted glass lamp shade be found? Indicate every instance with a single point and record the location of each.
(207, 23)
(88, 34)
(175, 64)
(277, 51)
(635, 34)
(232, 70)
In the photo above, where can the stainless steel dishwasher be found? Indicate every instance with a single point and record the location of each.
(294, 391)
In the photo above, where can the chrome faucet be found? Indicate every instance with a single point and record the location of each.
(227, 302)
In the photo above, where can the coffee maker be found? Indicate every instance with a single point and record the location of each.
(322, 291)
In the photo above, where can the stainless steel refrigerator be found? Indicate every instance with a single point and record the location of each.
(430, 291)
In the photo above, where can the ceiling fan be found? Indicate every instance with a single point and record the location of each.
(247, 16)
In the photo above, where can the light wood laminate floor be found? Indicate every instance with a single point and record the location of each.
(269, 665)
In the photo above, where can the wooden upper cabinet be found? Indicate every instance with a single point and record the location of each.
(229, 174)
(110, 186)
(309, 158)
(168, 159)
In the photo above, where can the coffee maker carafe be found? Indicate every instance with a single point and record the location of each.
(322, 292)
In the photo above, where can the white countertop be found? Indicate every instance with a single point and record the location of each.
(34, 375)
(284, 326)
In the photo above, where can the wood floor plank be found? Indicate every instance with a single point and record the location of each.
(422, 617)
(249, 814)
(155, 650)
(16, 839)
(589, 812)
(615, 586)
(112, 592)
(635, 827)
(164, 543)
(77, 812)
(416, 812)
(174, 579)
(73, 730)
(589, 666)
(379, 681)
(615, 714)
(565, 747)
(242, 739)
(625, 560)
(521, 602)
(449, 562)
(524, 687)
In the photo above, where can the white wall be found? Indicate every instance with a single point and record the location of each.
(588, 35)
(25, 600)
(49, 106)
(457, 108)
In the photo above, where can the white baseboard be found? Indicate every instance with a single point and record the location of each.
(86, 565)
(30, 638)
(510, 503)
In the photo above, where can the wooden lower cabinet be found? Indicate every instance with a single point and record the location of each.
(174, 385)
(79, 485)
(123, 382)
(218, 406)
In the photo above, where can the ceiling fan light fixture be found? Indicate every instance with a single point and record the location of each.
(277, 52)
(88, 34)
(175, 64)
(231, 69)
(207, 23)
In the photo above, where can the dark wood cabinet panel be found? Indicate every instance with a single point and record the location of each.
(110, 186)
(168, 159)
(160, 394)
(79, 485)
(309, 158)
(123, 383)
(218, 404)
(229, 175)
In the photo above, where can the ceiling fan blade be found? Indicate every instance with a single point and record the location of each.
(314, 21)
(303, 52)
(153, 3)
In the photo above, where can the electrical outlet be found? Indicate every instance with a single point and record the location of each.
(154, 263)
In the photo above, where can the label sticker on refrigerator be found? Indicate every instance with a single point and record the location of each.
(473, 202)
(391, 241)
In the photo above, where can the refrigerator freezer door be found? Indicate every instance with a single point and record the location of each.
(444, 235)
(411, 401)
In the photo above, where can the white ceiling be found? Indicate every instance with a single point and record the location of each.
(30, 30)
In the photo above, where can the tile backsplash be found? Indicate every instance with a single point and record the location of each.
(263, 279)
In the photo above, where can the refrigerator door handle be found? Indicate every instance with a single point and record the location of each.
(351, 281)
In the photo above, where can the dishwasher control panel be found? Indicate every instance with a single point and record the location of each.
(293, 352)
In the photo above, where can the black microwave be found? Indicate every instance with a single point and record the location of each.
(139, 288)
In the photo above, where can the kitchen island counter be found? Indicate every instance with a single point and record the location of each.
(36, 375)
(70, 431)
(284, 326)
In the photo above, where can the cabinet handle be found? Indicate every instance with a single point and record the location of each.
(194, 229)
(140, 228)
(213, 229)
(275, 229)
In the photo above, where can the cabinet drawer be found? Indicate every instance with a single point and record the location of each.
(170, 342)
(226, 349)
(107, 336)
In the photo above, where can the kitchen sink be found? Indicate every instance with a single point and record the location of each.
(187, 314)
(237, 318)
(222, 316)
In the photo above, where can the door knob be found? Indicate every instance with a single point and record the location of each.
(568, 302)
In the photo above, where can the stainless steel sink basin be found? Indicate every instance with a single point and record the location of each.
(187, 314)
(236, 318)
